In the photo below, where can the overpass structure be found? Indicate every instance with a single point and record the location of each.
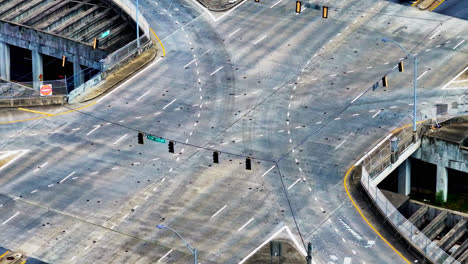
(65, 32)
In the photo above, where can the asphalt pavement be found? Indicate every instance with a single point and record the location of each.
(292, 91)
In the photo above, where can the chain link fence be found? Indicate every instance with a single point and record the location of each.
(377, 160)
(123, 53)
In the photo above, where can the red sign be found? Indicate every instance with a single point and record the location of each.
(46, 89)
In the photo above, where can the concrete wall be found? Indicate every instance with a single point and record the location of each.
(50, 44)
(28, 101)
(442, 153)
(129, 7)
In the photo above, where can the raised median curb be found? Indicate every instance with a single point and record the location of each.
(219, 6)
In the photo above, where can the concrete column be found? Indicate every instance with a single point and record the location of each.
(78, 77)
(37, 69)
(404, 177)
(4, 61)
(442, 181)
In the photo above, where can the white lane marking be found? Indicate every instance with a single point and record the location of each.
(8, 220)
(346, 260)
(320, 122)
(42, 166)
(138, 99)
(50, 185)
(260, 39)
(376, 114)
(288, 231)
(420, 76)
(128, 80)
(165, 255)
(350, 71)
(276, 3)
(338, 118)
(294, 183)
(435, 34)
(393, 106)
(354, 21)
(357, 97)
(219, 211)
(454, 78)
(74, 178)
(266, 172)
(428, 50)
(461, 42)
(96, 172)
(34, 191)
(339, 146)
(75, 129)
(186, 65)
(369, 67)
(372, 111)
(235, 31)
(118, 140)
(461, 81)
(355, 114)
(386, 62)
(248, 222)
(67, 177)
(169, 104)
(94, 129)
(216, 70)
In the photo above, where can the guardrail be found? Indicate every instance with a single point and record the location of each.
(373, 163)
(123, 53)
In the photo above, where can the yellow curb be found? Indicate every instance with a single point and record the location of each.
(164, 52)
(33, 111)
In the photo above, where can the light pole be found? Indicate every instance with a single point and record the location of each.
(138, 26)
(192, 249)
(415, 72)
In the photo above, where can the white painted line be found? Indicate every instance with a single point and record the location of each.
(339, 146)
(50, 185)
(346, 260)
(420, 76)
(355, 114)
(294, 183)
(67, 177)
(186, 65)
(96, 172)
(169, 104)
(216, 70)
(266, 172)
(435, 34)
(376, 114)
(276, 3)
(235, 31)
(75, 129)
(118, 140)
(34, 191)
(338, 118)
(369, 67)
(357, 97)
(165, 255)
(262, 38)
(461, 42)
(428, 50)
(94, 129)
(454, 78)
(461, 81)
(74, 178)
(138, 99)
(124, 84)
(394, 106)
(8, 220)
(320, 122)
(219, 211)
(248, 222)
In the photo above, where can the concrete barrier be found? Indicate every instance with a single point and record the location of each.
(34, 101)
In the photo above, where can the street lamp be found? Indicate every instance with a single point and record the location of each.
(192, 249)
(138, 26)
(415, 72)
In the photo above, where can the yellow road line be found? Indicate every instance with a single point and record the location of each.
(32, 111)
(77, 109)
(23, 262)
(164, 52)
(415, 2)
(6, 252)
(365, 219)
(437, 5)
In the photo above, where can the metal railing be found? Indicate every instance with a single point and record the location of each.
(123, 53)
(373, 165)
(9, 90)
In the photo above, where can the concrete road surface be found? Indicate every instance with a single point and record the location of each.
(290, 90)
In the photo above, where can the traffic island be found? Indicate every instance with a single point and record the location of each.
(277, 251)
(219, 5)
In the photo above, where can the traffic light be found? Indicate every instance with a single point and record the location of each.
(63, 60)
(95, 43)
(216, 157)
(298, 6)
(140, 137)
(248, 163)
(400, 66)
(171, 146)
(384, 81)
(325, 11)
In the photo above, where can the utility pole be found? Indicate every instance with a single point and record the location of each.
(309, 253)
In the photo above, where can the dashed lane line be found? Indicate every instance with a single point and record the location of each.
(9, 219)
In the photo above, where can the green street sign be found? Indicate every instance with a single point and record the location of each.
(105, 34)
(155, 139)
